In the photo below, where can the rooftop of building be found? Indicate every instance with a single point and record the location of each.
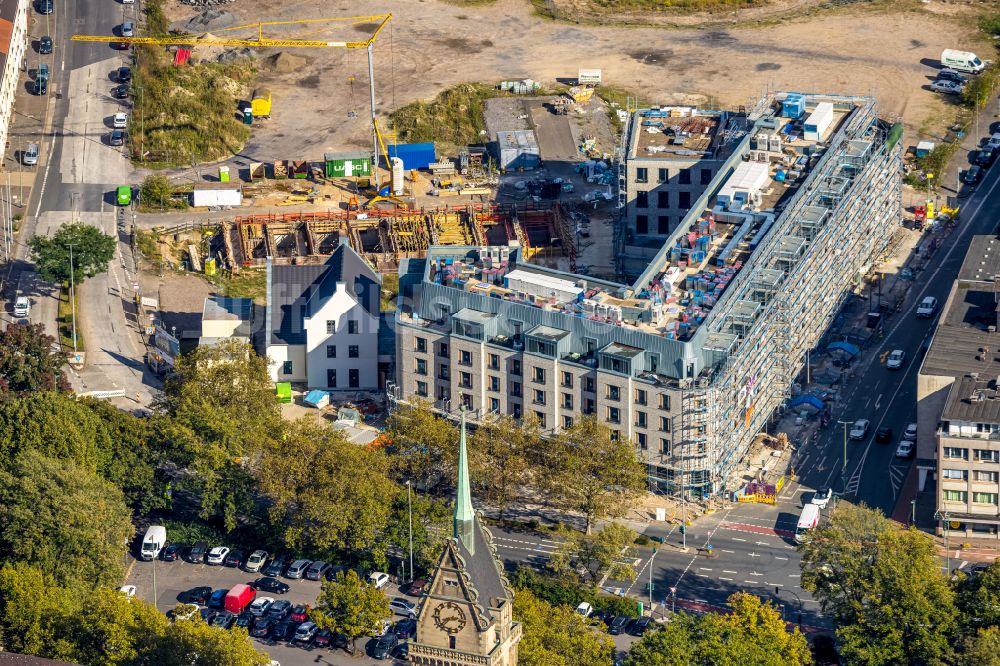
(973, 399)
(963, 342)
(685, 133)
(221, 308)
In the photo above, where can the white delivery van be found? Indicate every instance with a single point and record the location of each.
(22, 306)
(808, 520)
(963, 61)
(153, 542)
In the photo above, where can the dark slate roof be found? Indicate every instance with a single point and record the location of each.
(295, 291)
(484, 569)
(974, 400)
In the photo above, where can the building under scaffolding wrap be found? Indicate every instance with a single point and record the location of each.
(691, 359)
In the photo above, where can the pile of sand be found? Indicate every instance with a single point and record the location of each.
(285, 62)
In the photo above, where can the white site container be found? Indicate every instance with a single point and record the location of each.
(818, 122)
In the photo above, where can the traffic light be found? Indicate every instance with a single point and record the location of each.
(683, 528)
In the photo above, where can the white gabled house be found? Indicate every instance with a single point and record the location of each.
(322, 323)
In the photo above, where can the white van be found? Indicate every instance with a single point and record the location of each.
(963, 61)
(808, 519)
(22, 306)
(153, 542)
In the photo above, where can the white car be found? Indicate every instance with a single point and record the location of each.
(948, 87)
(120, 120)
(585, 609)
(821, 497)
(255, 561)
(378, 579)
(927, 307)
(127, 590)
(911, 432)
(381, 628)
(401, 606)
(905, 449)
(217, 555)
(895, 360)
(859, 429)
(260, 606)
(22, 306)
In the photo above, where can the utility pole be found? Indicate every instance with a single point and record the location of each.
(72, 296)
(651, 580)
(843, 472)
(409, 503)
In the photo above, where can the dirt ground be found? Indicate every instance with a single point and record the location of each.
(430, 45)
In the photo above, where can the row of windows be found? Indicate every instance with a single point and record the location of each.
(353, 375)
(977, 475)
(963, 496)
(352, 327)
(662, 224)
(352, 351)
(662, 199)
(663, 176)
(979, 455)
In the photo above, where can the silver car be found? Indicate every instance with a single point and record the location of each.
(31, 155)
(256, 560)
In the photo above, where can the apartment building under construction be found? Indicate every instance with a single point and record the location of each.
(693, 357)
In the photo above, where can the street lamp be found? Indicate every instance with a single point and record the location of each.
(409, 504)
(72, 296)
(843, 471)
(943, 517)
(777, 592)
(913, 511)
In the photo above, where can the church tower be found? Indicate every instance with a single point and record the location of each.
(466, 618)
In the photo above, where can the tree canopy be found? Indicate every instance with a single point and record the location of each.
(92, 249)
(348, 605)
(502, 453)
(557, 635)
(592, 556)
(29, 361)
(424, 447)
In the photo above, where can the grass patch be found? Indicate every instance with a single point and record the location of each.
(248, 283)
(185, 114)
(146, 242)
(157, 194)
(619, 98)
(455, 116)
(390, 290)
(64, 319)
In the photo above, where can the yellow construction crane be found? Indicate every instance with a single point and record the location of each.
(262, 42)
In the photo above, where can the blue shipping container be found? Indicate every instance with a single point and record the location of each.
(414, 155)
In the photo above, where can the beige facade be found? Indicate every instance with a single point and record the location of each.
(13, 42)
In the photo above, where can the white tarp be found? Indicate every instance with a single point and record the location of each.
(217, 197)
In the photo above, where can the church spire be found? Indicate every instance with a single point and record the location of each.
(465, 515)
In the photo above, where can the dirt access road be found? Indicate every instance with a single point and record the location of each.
(431, 45)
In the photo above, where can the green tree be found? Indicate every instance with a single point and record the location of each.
(501, 453)
(596, 555)
(34, 614)
(981, 648)
(589, 471)
(199, 643)
(753, 633)
(29, 361)
(882, 586)
(424, 446)
(978, 598)
(557, 635)
(349, 606)
(431, 525)
(63, 519)
(92, 250)
(325, 492)
(157, 192)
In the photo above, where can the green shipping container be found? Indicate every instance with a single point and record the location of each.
(348, 165)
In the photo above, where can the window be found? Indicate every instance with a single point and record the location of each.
(663, 199)
(953, 452)
(642, 199)
(589, 385)
(664, 424)
(494, 362)
(494, 405)
(706, 176)
(641, 224)
(588, 406)
(515, 411)
(684, 178)
(466, 379)
(444, 393)
(642, 175)
(494, 383)
(640, 397)
(984, 498)
(955, 496)
(515, 389)
(539, 397)
(641, 438)
(989, 477)
(567, 379)
(352, 351)
(515, 367)
(443, 349)
(421, 366)
(421, 344)
(982, 455)
(451, 642)
(662, 175)
(465, 357)
(684, 200)
(354, 378)
(640, 419)
(541, 418)
(539, 375)
(286, 368)
(567, 422)
(665, 446)
(443, 372)
(663, 224)
(331, 327)
(614, 415)
(352, 327)
(567, 401)
(331, 378)
(614, 435)
(467, 401)
(614, 393)
(422, 389)
(665, 401)
(331, 351)
(955, 474)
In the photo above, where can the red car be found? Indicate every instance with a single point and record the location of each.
(300, 613)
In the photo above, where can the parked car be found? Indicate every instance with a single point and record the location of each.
(260, 605)
(199, 595)
(383, 646)
(331, 573)
(256, 561)
(406, 628)
(31, 155)
(217, 555)
(883, 435)
(640, 626)
(927, 307)
(947, 87)
(22, 306)
(948, 74)
(262, 627)
(124, 75)
(218, 598)
(283, 631)
(895, 360)
(117, 137)
(234, 558)
(584, 609)
(305, 633)
(120, 120)
(120, 92)
(417, 587)
(239, 597)
(280, 609)
(45, 45)
(244, 621)
(984, 158)
(127, 590)
(300, 613)
(323, 639)
(905, 449)
(276, 567)
(273, 585)
(401, 652)
(197, 553)
(44, 6)
(378, 579)
(401, 606)
(297, 568)
(859, 429)
(972, 175)
(617, 625)
(172, 552)
(128, 29)
(41, 86)
(911, 432)
(317, 570)
(223, 620)
(821, 497)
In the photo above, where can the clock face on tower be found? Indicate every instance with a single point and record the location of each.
(449, 617)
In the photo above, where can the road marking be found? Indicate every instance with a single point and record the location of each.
(727, 571)
(878, 400)
(761, 543)
(703, 575)
(794, 575)
(780, 557)
(750, 582)
(776, 584)
(738, 539)
(754, 555)
(724, 578)
(701, 601)
(704, 569)
(754, 573)
(727, 551)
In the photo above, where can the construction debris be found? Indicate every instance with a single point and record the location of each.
(210, 19)
(285, 62)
